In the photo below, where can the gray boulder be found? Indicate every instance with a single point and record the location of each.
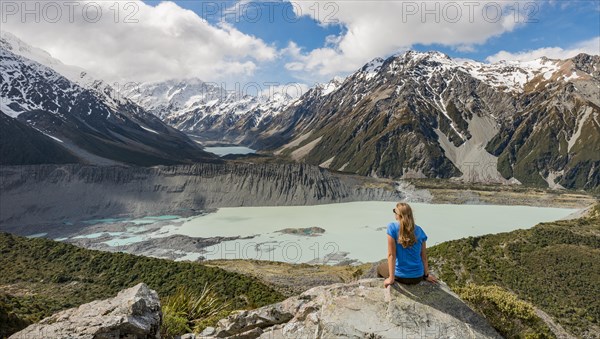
(362, 309)
(133, 313)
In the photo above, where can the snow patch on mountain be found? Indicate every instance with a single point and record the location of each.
(371, 69)
(331, 86)
(511, 76)
(12, 43)
(172, 97)
(23, 95)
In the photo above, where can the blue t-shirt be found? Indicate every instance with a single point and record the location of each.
(408, 260)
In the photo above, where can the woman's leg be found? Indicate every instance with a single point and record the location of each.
(382, 269)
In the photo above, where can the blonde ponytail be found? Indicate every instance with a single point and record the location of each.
(406, 234)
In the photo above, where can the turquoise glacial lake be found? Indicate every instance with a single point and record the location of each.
(222, 151)
(355, 231)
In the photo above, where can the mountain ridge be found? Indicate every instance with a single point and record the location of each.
(426, 115)
(411, 115)
(90, 120)
(207, 110)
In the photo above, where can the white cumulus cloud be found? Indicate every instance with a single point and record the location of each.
(591, 46)
(133, 41)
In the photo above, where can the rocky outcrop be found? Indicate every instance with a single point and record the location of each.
(51, 194)
(363, 309)
(133, 313)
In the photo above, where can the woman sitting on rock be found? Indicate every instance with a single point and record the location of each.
(407, 252)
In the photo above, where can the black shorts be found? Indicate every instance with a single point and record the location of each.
(409, 281)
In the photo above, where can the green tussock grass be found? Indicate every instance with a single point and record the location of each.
(188, 310)
(554, 266)
(39, 277)
(512, 317)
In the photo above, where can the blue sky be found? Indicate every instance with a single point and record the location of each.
(551, 24)
(273, 22)
(304, 42)
(540, 25)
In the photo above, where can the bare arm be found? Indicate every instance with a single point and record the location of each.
(424, 257)
(391, 260)
(430, 277)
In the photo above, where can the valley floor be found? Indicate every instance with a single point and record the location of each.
(454, 192)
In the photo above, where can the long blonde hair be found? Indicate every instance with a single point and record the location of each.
(406, 234)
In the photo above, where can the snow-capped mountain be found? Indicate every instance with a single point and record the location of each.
(173, 96)
(77, 75)
(427, 115)
(206, 109)
(89, 120)
(329, 87)
(410, 115)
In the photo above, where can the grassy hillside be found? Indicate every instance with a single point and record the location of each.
(292, 279)
(39, 277)
(555, 266)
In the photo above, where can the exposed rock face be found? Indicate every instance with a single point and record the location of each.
(46, 194)
(133, 313)
(363, 309)
(427, 115)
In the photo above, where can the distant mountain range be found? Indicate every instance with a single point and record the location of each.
(74, 113)
(410, 115)
(416, 115)
(427, 115)
(207, 110)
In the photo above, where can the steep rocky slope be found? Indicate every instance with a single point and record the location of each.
(89, 118)
(21, 144)
(36, 195)
(427, 115)
(555, 139)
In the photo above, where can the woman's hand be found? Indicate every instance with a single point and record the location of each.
(388, 281)
(431, 278)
